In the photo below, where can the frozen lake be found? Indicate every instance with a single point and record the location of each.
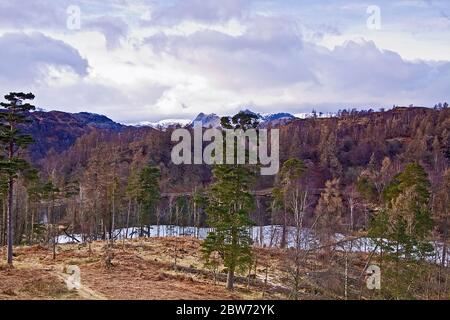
(267, 236)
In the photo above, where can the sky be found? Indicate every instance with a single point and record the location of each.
(147, 60)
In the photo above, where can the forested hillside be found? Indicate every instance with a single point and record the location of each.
(359, 175)
(55, 131)
(353, 147)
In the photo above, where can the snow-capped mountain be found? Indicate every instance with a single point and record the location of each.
(213, 121)
(273, 119)
(208, 120)
(278, 116)
(164, 124)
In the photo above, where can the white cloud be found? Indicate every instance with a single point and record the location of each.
(188, 56)
(205, 11)
(26, 58)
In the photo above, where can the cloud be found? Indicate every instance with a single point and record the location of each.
(203, 11)
(269, 53)
(26, 58)
(50, 15)
(270, 56)
(114, 29)
(39, 14)
(124, 103)
(218, 56)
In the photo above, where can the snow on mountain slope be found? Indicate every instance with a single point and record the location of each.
(212, 120)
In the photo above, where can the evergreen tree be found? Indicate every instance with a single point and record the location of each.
(149, 193)
(229, 205)
(401, 229)
(405, 220)
(14, 113)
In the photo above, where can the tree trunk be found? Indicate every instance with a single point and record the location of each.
(3, 225)
(230, 280)
(351, 214)
(444, 246)
(55, 239)
(113, 218)
(32, 225)
(158, 218)
(128, 218)
(284, 231)
(26, 218)
(9, 219)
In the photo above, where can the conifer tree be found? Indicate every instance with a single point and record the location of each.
(401, 229)
(406, 220)
(12, 116)
(149, 193)
(229, 205)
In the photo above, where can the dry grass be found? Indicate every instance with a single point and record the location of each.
(144, 268)
(26, 283)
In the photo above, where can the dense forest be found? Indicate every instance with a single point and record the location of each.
(381, 175)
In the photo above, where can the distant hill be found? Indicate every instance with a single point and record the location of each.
(58, 131)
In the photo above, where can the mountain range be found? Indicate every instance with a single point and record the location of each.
(212, 120)
(57, 131)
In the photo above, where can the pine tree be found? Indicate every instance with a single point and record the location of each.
(401, 230)
(149, 193)
(407, 220)
(229, 205)
(14, 114)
